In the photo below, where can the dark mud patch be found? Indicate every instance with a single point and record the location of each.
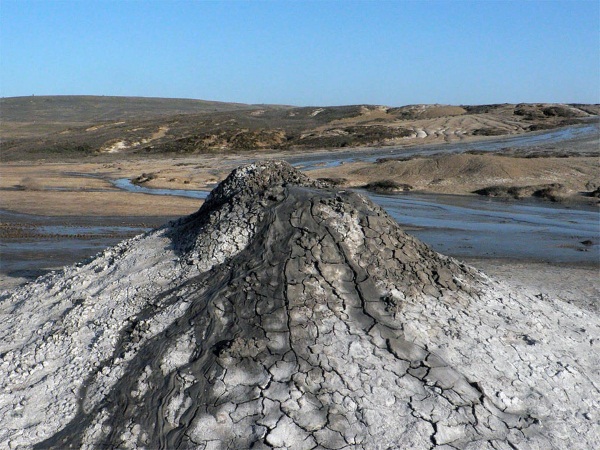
(32, 245)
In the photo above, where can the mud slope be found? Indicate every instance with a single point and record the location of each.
(283, 314)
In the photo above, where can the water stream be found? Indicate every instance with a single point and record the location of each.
(333, 159)
(466, 226)
(126, 185)
(460, 226)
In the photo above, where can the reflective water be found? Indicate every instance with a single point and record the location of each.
(127, 185)
(482, 227)
(458, 226)
(66, 230)
(30, 245)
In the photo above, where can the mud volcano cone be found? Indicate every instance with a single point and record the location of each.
(287, 315)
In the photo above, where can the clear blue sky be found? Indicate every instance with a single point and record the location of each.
(304, 52)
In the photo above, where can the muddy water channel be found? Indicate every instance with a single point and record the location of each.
(478, 227)
(461, 226)
(584, 138)
(469, 227)
(474, 227)
(127, 185)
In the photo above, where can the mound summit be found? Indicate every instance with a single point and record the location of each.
(284, 314)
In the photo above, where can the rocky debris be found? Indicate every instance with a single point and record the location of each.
(388, 187)
(285, 315)
(144, 178)
(334, 181)
(553, 191)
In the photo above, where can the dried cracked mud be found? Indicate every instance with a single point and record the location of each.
(285, 314)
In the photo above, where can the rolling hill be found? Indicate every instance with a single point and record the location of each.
(79, 126)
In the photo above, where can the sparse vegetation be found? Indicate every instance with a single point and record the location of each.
(70, 149)
(144, 178)
(595, 193)
(69, 127)
(488, 132)
(554, 192)
(334, 181)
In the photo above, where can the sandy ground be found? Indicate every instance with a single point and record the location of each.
(437, 129)
(85, 189)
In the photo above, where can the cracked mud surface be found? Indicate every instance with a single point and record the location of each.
(286, 315)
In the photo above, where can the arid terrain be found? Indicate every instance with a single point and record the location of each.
(62, 158)
(52, 128)
(85, 188)
(295, 308)
(56, 151)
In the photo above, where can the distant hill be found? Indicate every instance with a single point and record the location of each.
(76, 126)
(92, 109)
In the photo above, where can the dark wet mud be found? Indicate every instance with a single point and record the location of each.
(32, 245)
(459, 226)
